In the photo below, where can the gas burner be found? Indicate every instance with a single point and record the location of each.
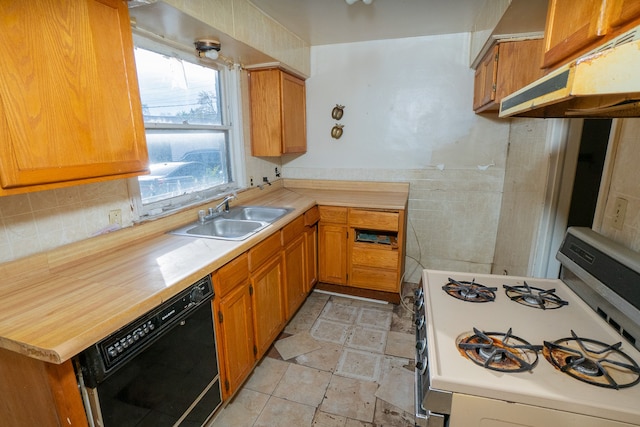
(470, 291)
(534, 297)
(498, 351)
(593, 362)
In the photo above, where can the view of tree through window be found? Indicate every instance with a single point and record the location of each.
(186, 136)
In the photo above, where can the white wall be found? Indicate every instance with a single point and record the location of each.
(408, 117)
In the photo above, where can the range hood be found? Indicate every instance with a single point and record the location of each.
(603, 83)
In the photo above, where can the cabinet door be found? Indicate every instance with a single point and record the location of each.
(332, 253)
(485, 79)
(571, 26)
(69, 108)
(294, 276)
(235, 335)
(268, 303)
(624, 11)
(311, 257)
(294, 131)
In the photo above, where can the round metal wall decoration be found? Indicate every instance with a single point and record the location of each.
(336, 131)
(337, 112)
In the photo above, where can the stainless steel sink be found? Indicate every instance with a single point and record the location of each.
(226, 228)
(237, 224)
(257, 213)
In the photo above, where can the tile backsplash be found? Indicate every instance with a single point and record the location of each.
(39, 221)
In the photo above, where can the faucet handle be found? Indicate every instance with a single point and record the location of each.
(201, 215)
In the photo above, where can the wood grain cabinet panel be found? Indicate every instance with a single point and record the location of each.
(332, 253)
(268, 303)
(506, 68)
(278, 113)
(235, 336)
(576, 27)
(295, 276)
(70, 108)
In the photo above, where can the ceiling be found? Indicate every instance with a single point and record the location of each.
(320, 22)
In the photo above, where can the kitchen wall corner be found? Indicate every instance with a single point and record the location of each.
(624, 183)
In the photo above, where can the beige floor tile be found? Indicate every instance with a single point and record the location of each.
(284, 413)
(303, 385)
(350, 398)
(243, 411)
(367, 339)
(389, 415)
(297, 344)
(323, 419)
(339, 312)
(374, 318)
(358, 364)
(357, 423)
(266, 375)
(401, 345)
(391, 362)
(397, 389)
(330, 331)
(326, 358)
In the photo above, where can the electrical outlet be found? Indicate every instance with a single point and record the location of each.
(619, 211)
(251, 181)
(115, 216)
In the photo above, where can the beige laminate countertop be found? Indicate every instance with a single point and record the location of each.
(53, 310)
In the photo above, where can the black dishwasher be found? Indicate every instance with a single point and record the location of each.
(159, 370)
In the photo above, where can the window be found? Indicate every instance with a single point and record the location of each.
(188, 135)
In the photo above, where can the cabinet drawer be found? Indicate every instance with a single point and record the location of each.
(312, 216)
(373, 220)
(292, 230)
(374, 278)
(231, 275)
(374, 258)
(264, 250)
(333, 214)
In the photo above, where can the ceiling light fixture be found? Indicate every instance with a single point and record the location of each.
(207, 48)
(350, 2)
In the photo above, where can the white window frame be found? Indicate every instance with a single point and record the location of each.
(231, 103)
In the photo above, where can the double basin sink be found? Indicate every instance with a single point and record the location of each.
(237, 224)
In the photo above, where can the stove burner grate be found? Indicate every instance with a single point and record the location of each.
(470, 291)
(502, 352)
(593, 362)
(534, 297)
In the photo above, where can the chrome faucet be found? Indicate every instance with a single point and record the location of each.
(223, 206)
(225, 203)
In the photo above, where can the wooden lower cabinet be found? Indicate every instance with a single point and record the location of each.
(37, 393)
(235, 338)
(332, 253)
(295, 277)
(361, 248)
(311, 257)
(233, 315)
(268, 303)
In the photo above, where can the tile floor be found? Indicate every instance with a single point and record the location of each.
(340, 362)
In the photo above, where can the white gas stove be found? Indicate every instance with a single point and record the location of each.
(502, 351)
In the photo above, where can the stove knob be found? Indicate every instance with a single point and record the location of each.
(421, 345)
(419, 322)
(422, 366)
(419, 303)
(418, 293)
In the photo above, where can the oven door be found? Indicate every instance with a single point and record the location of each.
(173, 381)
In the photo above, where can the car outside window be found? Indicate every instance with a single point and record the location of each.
(186, 130)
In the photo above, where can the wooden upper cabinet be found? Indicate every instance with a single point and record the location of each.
(69, 102)
(278, 117)
(575, 27)
(506, 68)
